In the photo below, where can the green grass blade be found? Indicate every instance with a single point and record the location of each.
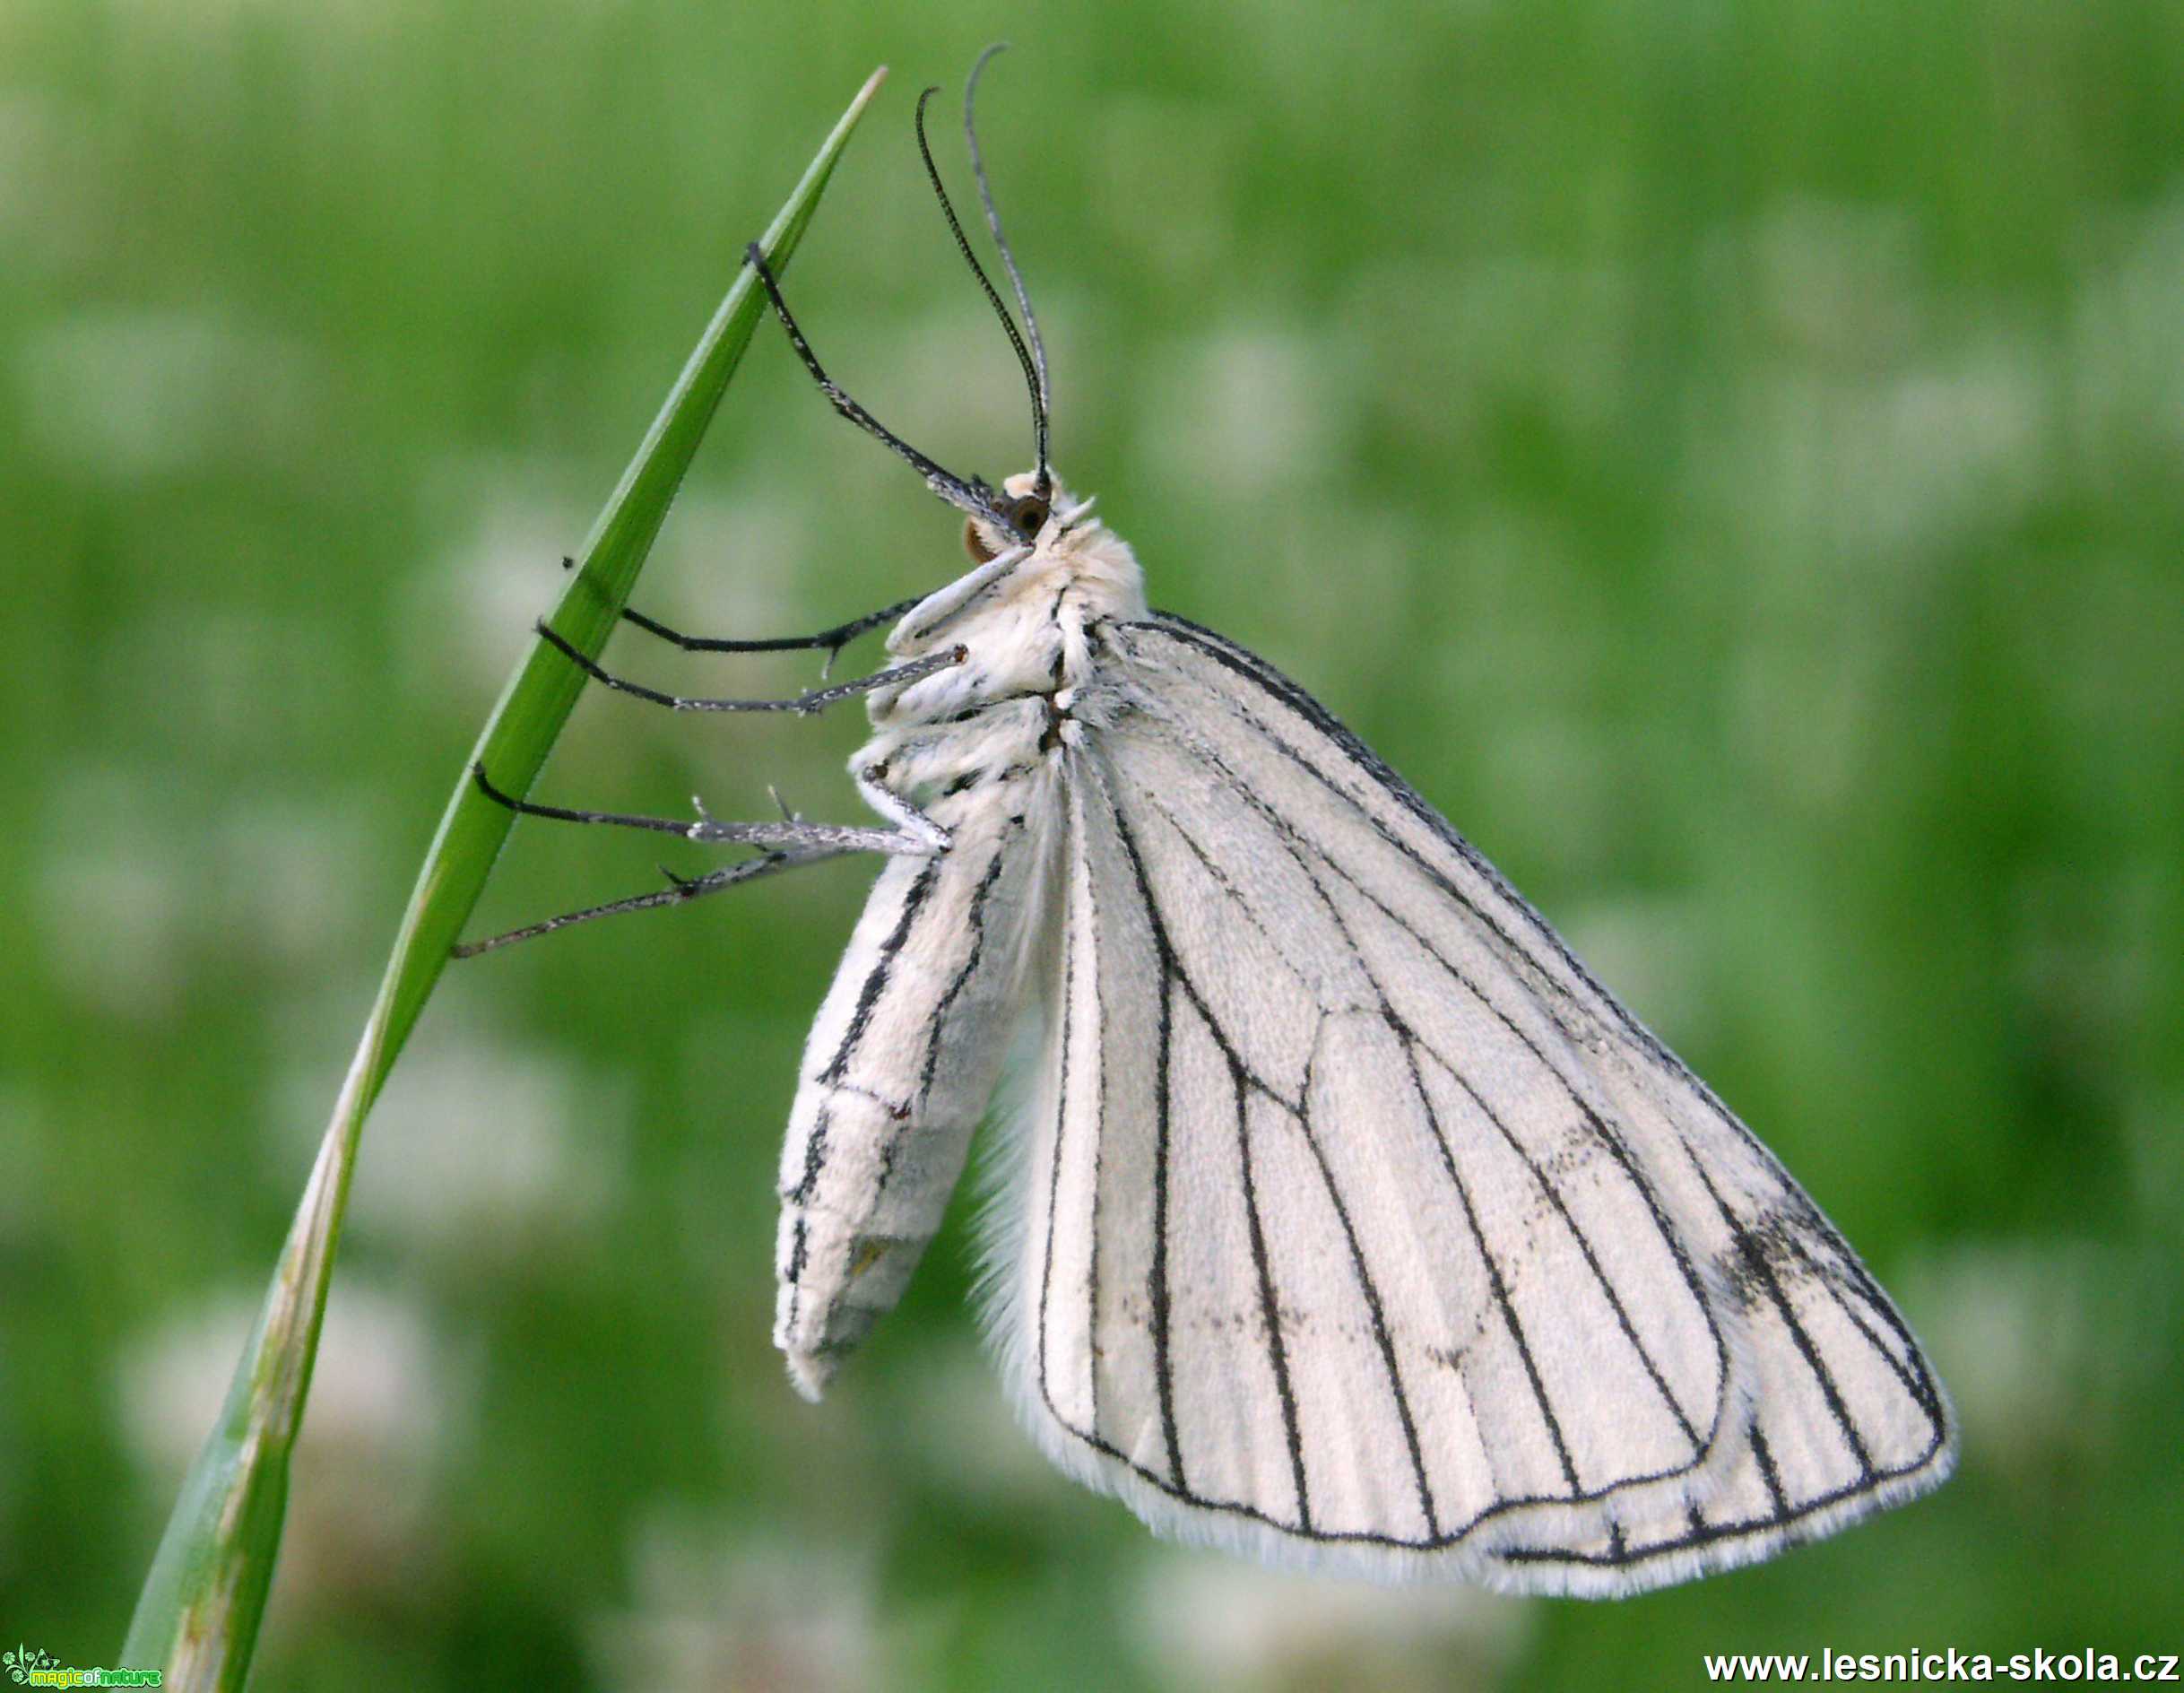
(197, 1617)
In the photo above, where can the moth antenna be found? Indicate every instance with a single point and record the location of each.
(970, 495)
(1044, 397)
(1034, 379)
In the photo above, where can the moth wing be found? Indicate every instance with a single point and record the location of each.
(1353, 1225)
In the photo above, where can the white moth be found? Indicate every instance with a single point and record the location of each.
(1350, 1223)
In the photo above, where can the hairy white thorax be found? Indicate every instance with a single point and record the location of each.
(1021, 616)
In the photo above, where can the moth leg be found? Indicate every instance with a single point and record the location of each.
(830, 641)
(680, 890)
(791, 833)
(911, 822)
(803, 705)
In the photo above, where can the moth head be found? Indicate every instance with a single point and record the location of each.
(1022, 515)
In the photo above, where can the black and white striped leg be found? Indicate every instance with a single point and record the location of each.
(791, 833)
(830, 641)
(680, 890)
(906, 818)
(803, 705)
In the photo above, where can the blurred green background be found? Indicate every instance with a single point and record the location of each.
(1731, 458)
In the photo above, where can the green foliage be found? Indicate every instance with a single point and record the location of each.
(199, 1613)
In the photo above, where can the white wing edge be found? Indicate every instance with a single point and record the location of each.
(1025, 1104)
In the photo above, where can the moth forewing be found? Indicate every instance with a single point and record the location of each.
(901, 1062)
(1365, 1231)
(910, 1041)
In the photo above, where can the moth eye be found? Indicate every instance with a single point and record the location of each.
(1028, 515)
(973, 544)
